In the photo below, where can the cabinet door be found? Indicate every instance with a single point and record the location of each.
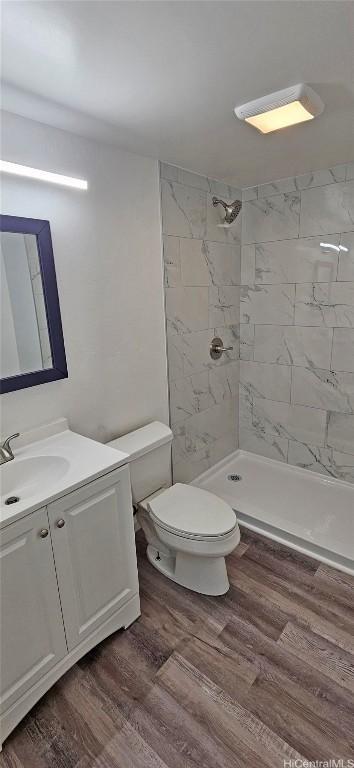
(32, 630)
(94, 550)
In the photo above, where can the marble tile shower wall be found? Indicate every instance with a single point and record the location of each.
(297, 322)
(202, 299)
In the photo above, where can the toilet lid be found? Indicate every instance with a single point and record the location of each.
(191, 511)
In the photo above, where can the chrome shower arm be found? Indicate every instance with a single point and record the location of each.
(216, 202)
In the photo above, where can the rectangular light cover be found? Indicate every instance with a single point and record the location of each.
(280, 117)
(35, 173)
(281, 109)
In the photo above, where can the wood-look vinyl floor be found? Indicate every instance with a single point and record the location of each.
(261, 675)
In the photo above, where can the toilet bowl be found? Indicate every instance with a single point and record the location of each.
(189, 531)
(194, 531)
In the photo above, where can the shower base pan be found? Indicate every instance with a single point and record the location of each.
(312, 513)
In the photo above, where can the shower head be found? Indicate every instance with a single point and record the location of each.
(231, 209)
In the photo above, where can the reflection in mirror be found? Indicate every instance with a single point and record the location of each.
(31, 337)
(25, 342)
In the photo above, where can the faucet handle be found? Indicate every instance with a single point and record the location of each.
(6, 443)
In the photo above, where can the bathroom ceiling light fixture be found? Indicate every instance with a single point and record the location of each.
(35, 173)
(281, 109)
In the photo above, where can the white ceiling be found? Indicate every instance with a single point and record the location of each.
(162, 78)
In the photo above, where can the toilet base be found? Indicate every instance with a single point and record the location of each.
(206, 575)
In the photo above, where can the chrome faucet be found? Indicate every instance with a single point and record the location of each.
(5, 449)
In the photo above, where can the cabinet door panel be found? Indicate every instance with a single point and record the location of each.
(94, 552)
(32, 630)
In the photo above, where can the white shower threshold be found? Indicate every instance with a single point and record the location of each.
(310, 512)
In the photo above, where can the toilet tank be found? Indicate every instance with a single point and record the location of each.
(149, 451)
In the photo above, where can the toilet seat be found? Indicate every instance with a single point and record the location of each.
(191, 512)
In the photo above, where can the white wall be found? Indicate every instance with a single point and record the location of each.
(107, 250)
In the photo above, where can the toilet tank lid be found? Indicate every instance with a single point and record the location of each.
(142, 440)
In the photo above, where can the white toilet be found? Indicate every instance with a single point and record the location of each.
(189, 531)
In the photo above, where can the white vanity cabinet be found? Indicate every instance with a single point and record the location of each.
(94, 552)
(68, 580)
(32, 636)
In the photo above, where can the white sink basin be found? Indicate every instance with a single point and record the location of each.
(23, 477)
(45, 469)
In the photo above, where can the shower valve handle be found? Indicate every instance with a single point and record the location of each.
(217, 348)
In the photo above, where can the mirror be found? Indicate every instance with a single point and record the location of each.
(25, 345)
(32, 344)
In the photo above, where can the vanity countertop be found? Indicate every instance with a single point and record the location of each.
(47, 469)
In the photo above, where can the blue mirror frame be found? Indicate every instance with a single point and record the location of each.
(41, 229)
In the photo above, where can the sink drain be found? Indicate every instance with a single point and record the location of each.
(12, 500)
(234, 478)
